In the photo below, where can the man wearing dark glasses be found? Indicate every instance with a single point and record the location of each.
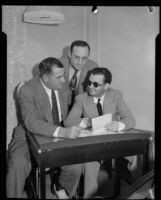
(99, 99)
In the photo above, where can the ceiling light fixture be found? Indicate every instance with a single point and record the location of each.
(43, 15)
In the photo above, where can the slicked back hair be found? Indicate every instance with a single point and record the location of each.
(45, 66)
(79, 43)
(102, 71)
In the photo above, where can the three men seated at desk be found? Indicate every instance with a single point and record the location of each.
(44, 106)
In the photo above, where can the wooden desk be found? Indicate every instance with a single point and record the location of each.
(55, 152)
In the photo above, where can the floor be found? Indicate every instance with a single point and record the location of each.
(106, 189)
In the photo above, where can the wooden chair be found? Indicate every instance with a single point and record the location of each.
(138, 186)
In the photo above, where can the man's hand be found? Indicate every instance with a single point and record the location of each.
(88, 122)
(70, 132)
(112, 126)
(75, 131)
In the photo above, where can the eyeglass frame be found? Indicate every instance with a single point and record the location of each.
(95, 84)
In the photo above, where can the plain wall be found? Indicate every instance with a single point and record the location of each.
(121, 38)
(126, 45)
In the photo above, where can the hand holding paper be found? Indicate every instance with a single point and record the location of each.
(99, 123)
(112, 126)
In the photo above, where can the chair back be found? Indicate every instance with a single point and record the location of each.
(16, 93)
(19, 86)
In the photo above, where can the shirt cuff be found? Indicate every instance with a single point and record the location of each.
(55, 134)
(82, 123)
(121, 126)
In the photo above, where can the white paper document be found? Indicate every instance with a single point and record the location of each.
(98, 123)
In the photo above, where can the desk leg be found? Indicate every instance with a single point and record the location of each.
(145, 167)
(42, 183)
(116, 180)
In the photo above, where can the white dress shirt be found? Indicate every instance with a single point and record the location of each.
(82, 123)
(48, 91)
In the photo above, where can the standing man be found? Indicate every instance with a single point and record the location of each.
(43, 109)
(76, 66)
(99, 99)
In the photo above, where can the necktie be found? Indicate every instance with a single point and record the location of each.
(54, 109)
(99, 108)
(73, 87)
(73, 82)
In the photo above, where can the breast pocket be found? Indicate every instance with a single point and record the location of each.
(110, 108)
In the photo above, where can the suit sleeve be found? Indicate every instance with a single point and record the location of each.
(95, 65)
(123, 113)
(31, 114)
(75, 115)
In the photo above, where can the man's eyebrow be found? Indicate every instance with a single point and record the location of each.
(80, 56)
(60, 76)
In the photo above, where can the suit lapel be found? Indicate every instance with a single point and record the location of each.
(66, 68)
(108, 106)
(91, 108)
(44, 101)
(82, 78)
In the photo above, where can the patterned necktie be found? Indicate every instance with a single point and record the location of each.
(54, 109)
(99, 108)
(73, 82)
(73, 87)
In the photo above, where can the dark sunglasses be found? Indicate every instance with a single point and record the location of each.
(95, 84)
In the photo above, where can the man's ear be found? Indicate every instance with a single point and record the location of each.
(106, 86)
(45, 78)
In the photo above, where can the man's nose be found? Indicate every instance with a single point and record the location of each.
(91, 86)
(80, 61)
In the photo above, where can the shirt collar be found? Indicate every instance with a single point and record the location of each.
(71, 73)
(48, 90)
(101, 99)
(73, 70)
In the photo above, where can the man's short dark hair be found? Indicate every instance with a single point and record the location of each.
(45, 66)
(79, 43)
(102, 71)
